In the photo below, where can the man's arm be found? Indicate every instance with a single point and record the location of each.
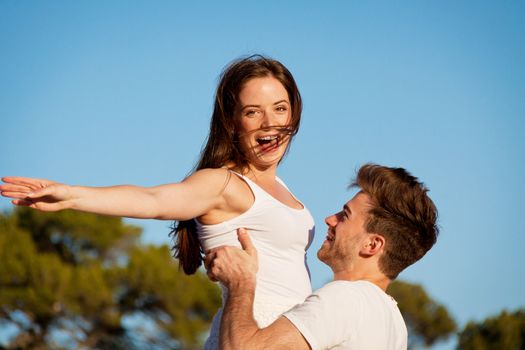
(239, 330)
(236, 269)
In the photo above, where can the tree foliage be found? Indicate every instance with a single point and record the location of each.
(427, 321)
(503, 332)
(83, 274)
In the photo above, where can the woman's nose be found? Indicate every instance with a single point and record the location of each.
(268, 119)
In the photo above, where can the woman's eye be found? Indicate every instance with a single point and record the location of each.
(281, 109)
(250, 113)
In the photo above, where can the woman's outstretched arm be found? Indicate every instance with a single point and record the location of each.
(193, 197)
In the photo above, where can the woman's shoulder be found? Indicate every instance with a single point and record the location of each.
(219, 179)
(207, 179)
(235, 193)
(210, 173)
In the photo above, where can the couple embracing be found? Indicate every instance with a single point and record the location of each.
(255, 232)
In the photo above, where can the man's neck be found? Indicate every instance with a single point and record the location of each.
(379, 280)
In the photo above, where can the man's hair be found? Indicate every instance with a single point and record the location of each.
(402, 212)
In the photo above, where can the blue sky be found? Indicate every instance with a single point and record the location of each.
(102, 93)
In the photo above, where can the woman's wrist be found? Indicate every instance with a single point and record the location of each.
(72, 196)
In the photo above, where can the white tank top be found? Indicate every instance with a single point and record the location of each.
(281, 235)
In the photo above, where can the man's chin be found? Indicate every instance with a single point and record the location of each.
(323, 254)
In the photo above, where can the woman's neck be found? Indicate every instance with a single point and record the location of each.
(261, 174)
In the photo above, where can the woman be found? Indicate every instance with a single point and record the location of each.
(257, 112)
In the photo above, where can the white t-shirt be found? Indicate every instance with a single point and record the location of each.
(350, 315)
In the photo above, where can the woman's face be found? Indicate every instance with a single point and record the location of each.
(264, 106)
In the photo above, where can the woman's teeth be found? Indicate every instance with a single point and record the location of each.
(267, 139)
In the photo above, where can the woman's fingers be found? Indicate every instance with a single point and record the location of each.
(42, 192)
(39, 194)
(20, 195)
(22, 202)
(14, 191)
(14, 188)
(27, 181)
(43, 206)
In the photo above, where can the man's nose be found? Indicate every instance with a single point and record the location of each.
(331, 220)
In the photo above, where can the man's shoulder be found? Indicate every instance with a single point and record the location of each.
(347, 314)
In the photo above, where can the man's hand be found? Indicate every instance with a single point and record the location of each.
(232, 266)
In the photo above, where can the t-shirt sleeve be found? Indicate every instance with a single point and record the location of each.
(328, 316)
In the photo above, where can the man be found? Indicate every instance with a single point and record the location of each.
(388, 225)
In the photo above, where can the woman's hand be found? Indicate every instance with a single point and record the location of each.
(39, 194)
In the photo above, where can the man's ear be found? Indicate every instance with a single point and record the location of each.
(374, 244)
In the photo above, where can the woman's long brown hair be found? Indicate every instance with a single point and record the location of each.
(222, 146)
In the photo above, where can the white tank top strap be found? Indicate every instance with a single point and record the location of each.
(256, 189)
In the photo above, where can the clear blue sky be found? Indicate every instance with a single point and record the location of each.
(111, 92)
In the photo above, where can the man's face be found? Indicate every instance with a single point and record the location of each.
(346, 233)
